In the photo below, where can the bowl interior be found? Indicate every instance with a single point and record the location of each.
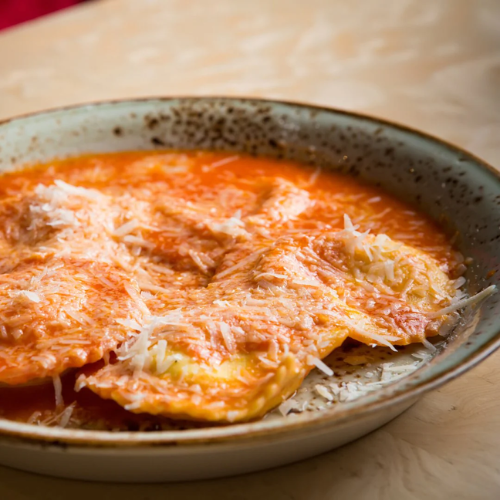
(454, 188)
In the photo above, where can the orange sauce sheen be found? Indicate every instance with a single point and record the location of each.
(209, 173)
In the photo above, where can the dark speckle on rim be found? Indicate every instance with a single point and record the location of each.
(151, 122)
(118, 131)
(157, 141)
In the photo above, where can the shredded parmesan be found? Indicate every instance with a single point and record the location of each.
(247, 260)
(126, 228)
(34, 297)
(225, 330)
(320, 365)
(223, 162)
(233, 226)
(77, 191)
(58, 390)
(323, 392)
(288, 406)
(428, 345)
(461, 304)
(211, 288)
(66, 414)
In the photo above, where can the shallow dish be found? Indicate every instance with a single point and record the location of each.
(453, 187)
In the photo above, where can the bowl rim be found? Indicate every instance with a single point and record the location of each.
(279, 428)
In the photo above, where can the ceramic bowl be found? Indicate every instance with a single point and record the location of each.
(453, 187)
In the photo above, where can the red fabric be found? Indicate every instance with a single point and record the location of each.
(17, 11)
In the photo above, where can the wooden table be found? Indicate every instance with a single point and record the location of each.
(431, 64)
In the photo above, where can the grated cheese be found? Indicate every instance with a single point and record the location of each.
(428, 345)
(223, 162)
(58, 390)
(126, 228)
(220, 287)
(323, 392)
(78, 191)
(465, 302)
(34, 297)
(247, 260)
(289, 405)
(65, 416)
(311, 360)
(225, 330)
(233, 226)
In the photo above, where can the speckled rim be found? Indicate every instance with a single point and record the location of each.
(406, 389)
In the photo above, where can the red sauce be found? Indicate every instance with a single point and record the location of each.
(209, 172)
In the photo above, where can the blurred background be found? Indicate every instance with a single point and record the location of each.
(431, 64)
(14, 12)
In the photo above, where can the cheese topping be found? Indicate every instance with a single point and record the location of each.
(218, 281)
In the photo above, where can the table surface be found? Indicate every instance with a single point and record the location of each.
(434, 65)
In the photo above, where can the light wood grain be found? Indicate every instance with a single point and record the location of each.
(432, 65)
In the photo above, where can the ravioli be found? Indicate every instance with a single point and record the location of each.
(401, 288)
(55, 315)
(241, 346)
(59, 283)
(208, 285)
(228, 352)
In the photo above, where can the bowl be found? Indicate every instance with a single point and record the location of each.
(456, 189)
